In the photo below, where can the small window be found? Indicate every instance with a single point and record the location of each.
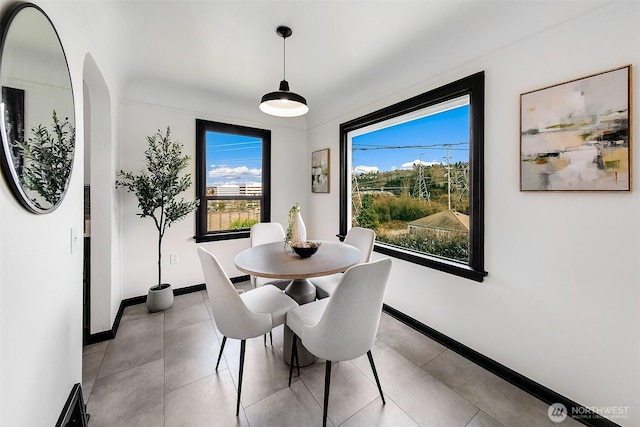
(413, 172)
(232, 179)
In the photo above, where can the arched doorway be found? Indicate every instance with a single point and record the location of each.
(101, 227)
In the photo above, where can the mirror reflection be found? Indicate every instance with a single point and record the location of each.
(37, 121)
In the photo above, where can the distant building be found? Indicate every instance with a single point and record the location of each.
(251, 190)
(227, 190)
(445, 221)
(235, 190)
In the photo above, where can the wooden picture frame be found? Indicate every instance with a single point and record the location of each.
(320, 171)
(576, 136)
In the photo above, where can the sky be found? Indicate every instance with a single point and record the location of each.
(236, 159)
(233, 159)
(378, 150)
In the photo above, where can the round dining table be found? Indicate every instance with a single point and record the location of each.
(277, 261)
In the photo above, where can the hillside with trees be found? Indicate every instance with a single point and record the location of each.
(388, 201)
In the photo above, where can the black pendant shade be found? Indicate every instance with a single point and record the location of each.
(283, 102)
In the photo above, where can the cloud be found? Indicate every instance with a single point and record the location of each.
(359, 170)
(409, 165)
(237, 175)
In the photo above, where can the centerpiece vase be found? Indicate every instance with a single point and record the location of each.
(298, 230)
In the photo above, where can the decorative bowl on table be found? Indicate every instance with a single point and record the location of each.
(305, 249)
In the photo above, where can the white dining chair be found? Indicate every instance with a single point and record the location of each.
(344, 326)
(261, 233)
(241, 316)
(361, 238)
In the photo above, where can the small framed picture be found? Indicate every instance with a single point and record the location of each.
(575, 136)
(320, 171)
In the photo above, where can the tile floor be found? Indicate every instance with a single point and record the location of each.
(160, 371)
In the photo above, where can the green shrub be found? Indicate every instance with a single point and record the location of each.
(242, 223)
(402, 208)
(368, 217)
(453, 246)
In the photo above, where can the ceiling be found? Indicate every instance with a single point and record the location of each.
(366, 49)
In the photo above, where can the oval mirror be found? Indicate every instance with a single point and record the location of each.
(37, 121)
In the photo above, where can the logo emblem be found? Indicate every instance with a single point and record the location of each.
(557, 412)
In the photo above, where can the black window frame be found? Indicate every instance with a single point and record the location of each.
(473, 86)
(202, 127)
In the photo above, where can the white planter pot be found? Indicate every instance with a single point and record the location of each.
(160, 299)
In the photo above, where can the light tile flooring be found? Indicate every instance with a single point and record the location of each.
(160, 371)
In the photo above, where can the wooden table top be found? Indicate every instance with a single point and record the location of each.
(273, 261)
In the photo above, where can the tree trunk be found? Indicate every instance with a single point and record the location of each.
(159, 258)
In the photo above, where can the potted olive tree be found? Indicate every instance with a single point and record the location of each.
(157, 189)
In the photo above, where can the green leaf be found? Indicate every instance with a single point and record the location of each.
(47, 160)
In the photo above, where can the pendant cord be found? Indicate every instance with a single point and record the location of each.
(284, 58)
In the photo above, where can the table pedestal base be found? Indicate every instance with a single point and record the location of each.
(302, 291)
(305, 357)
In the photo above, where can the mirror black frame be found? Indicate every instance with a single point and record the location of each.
(6, 159)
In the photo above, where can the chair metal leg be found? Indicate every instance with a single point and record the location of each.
(375, 374)
(294, 356)
(270, 338)
(295, 353)
(242, 347)
(224, 341)
(293, 346)
(327, 381)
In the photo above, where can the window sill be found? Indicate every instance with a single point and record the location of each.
(222, 235)
(435, 263)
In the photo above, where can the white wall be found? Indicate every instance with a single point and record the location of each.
(41, 284)
(561, 302)
(144, 117)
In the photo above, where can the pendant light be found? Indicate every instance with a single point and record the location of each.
(283, 102)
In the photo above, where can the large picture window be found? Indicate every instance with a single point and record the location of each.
(413, 172)
(232, 180)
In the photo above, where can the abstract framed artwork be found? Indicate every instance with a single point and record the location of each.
(576, 136)
(320, 171)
